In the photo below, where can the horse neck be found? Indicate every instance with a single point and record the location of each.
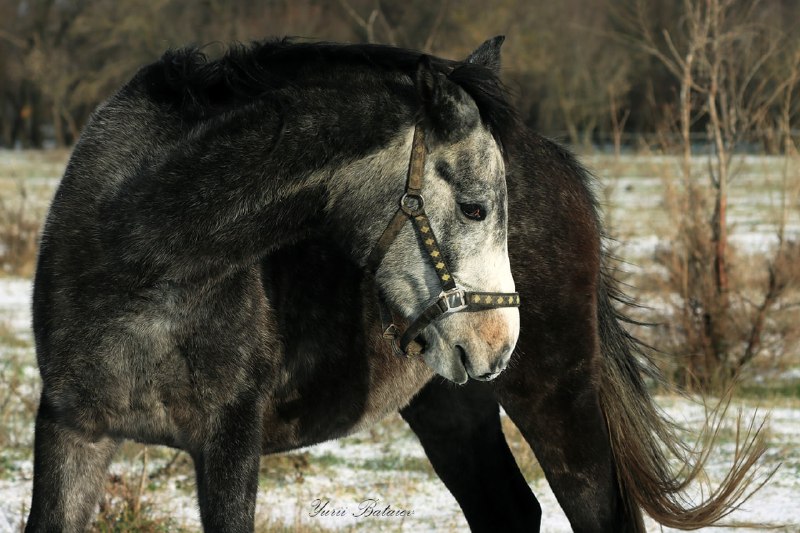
(363, 194)
(252, 180)
(349, 150)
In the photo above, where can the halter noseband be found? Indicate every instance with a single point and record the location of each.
(452, 299)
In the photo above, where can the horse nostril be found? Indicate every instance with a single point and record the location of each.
(500, 364)
(462, 353)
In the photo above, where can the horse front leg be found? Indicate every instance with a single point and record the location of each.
(227, 465)
(68, 473)
(459, 428)
(550, 391)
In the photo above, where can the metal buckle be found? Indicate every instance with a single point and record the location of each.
(391, 332)
(452, 301)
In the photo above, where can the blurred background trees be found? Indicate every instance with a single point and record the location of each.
(581, 70)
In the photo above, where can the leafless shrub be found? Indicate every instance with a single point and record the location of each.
(723, 59)
(20, 224)
(123, 508)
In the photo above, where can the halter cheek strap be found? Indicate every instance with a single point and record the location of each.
(452, 299)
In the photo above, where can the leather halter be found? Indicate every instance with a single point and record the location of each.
(452, 299)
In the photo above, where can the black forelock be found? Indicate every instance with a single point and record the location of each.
(200, 87)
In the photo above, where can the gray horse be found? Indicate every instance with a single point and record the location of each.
(150, 318)
(205, 282)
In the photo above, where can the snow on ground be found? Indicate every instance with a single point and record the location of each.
(15, 305)
(348, 487)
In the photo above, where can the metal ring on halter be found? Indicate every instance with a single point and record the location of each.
(408, 209)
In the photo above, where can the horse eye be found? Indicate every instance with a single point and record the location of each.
(473, 211)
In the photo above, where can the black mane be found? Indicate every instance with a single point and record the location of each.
(187, 80)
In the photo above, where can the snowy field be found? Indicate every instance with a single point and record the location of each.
(385, 466)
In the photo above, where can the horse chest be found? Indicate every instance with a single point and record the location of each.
(330, 402)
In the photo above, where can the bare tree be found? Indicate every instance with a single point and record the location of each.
(414, 24)
(719, 58)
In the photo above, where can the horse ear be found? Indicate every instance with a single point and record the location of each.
(450, 110)
(488, 54)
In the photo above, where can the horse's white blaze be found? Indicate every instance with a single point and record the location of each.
(480, 261)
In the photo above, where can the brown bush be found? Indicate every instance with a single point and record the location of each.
(20, 224)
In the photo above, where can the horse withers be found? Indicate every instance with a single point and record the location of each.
(151, 319)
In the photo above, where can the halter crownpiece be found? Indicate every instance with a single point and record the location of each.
(452, 299)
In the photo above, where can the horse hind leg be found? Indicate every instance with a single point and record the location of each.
(559, 414)
(68, 474)
(459, 428)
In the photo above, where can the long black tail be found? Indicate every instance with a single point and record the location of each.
(647, 444)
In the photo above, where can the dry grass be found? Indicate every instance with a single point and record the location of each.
(27, 181)
(129, 503)
(271, 525)
(18, 402)
(20, 225)
(123, 509)
(131, 499)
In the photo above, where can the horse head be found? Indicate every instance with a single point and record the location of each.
(454, 254)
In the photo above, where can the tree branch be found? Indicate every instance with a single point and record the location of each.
(13, 40)
(436, 24)
(353, 13)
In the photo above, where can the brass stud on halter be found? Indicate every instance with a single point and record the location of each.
(452, 299)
